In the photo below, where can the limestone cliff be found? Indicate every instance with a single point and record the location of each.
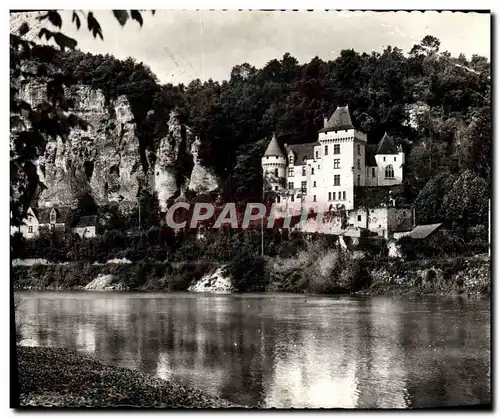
(202, 179)
(166, 174)
(105, 160)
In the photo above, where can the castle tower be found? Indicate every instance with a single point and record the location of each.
(341, 147)
(390, 160)
(274, 165)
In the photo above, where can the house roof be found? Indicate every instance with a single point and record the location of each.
(274, 149)
(423, 231)
(85, 221)
(43, 214)
(387, 145)
(302, 151)
(341, 119)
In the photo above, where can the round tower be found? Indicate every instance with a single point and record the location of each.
(274, 165)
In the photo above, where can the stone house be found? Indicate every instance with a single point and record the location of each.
(86, 227)
(55, 219)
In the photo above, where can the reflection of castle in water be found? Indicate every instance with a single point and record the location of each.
(277, 353)
(334, 365)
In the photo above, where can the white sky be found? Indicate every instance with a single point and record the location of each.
(181, 45)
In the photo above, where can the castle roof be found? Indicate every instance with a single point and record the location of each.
(302, 151)
(387, 145)
(85, 221)
(340, 120)
(274, 149)
(43, 214)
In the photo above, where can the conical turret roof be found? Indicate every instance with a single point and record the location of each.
(274, 149)
(341, 119)
(387, 145)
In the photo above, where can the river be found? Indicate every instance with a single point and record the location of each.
(280, 350)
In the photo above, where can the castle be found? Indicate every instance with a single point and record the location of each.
(324, 173)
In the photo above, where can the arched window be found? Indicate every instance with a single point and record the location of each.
(389, 172)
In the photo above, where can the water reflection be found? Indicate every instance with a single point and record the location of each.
(280, 350)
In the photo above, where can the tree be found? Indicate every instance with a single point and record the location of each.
(429, 202)
(466, 203)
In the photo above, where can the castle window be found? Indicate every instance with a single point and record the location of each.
(290, 184)
(312, 170)
(314, 184)
(292, 198)
(389, 172)
(317, 154)
(290, 172)
(276, 172)
(30, 229)
(359, 218)
(303, 186)
(336, 163)
(276, 188)
(329, 196)
(319, 166)
(290, 159)
(303, 171)
(359, 149)
(333, 195)
(359, 180)
(326, 149)
(336, 149)
(384, 158)
(394, 158)
(343, 195)
(336, 180)
(314, 198)
(359, 164)
(373, 171)
(277, 199)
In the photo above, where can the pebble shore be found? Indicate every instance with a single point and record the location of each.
(56, 377)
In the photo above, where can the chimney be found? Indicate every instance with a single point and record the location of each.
(325, 120)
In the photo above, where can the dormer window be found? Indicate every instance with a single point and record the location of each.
(53, 216)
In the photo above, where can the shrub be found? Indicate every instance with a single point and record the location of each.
(248, 273)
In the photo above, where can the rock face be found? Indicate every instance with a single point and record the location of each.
(166, 175)
(103, 161)
(215, 282)
(202, 179)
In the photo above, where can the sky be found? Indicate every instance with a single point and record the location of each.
(182, 45)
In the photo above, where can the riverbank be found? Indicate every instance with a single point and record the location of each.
(460, 276)
(65, 378)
